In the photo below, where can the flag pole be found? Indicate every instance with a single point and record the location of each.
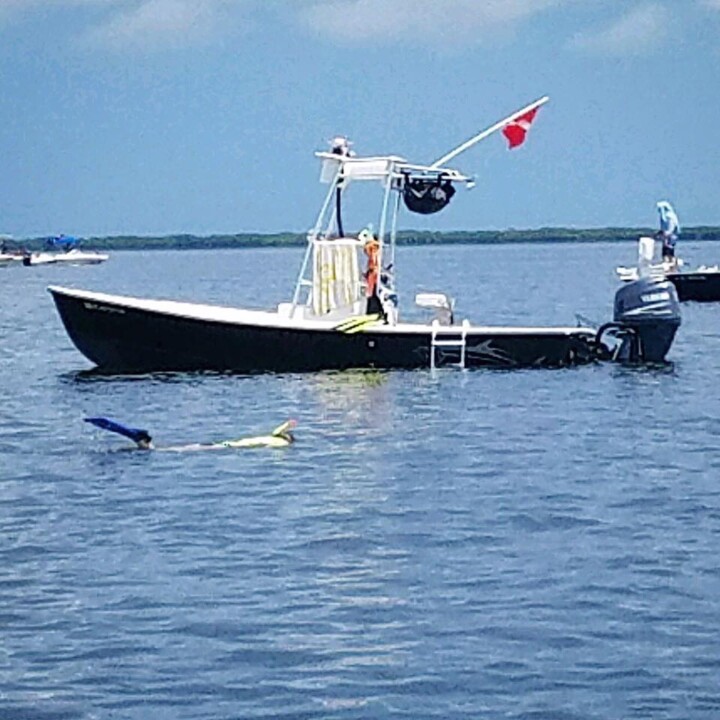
(489, 131)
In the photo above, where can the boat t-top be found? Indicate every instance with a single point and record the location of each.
(345, 312)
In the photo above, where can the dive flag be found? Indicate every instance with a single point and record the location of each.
(516, 129)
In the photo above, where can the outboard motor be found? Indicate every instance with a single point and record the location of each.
(645, 320)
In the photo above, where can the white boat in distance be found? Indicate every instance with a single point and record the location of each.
(64, 249)
(8, 256)
(69, 257)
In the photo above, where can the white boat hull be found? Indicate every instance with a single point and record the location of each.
(72, 257)
(9, 259)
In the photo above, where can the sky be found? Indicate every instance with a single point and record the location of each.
(155, 117)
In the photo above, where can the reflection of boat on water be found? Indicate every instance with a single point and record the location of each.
(356, 392)
(61, 250)
(341, 318)
(701, 284)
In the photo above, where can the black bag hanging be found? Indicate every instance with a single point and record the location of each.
(427, 196)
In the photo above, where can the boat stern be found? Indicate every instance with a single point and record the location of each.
(646, 318)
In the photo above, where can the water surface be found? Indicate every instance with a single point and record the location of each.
(535, 544)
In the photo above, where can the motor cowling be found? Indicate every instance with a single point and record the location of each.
(645, 319)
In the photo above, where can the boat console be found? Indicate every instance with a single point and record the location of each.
(441, 305)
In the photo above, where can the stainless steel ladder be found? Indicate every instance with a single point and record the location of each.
(448, 336)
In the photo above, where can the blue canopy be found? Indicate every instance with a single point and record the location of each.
(63, 241)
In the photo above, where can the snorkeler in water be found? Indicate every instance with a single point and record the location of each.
(281, 436)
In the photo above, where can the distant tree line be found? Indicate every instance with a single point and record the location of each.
(406, 237)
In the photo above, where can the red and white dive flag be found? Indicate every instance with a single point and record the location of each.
(516, 130)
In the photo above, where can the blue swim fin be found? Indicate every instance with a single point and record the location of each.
(135, 434)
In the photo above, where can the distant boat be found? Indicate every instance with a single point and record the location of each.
(63, 249)
(70, 257)
(8, 256)
(341, 317)
(701, 284)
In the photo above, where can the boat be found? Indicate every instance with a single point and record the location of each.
(9, 258)
(340, 317)
(64, 250)
(70, 257)
(8, 255)
(701, 284)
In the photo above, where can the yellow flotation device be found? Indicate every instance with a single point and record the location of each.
(281, 436)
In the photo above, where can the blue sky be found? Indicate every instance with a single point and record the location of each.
(201, 116)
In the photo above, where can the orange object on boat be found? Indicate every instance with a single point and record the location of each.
(372, 250)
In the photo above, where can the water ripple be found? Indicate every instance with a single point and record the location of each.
(531, 545)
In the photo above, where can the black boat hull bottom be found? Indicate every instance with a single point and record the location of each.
(122, 339)
(696, 286)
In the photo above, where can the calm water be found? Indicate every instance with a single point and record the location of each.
(532, 544)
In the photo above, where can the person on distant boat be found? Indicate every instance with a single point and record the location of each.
(281, 436)
(668, 233)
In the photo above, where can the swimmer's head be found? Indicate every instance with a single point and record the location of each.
(285, 431)
(144, 441)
